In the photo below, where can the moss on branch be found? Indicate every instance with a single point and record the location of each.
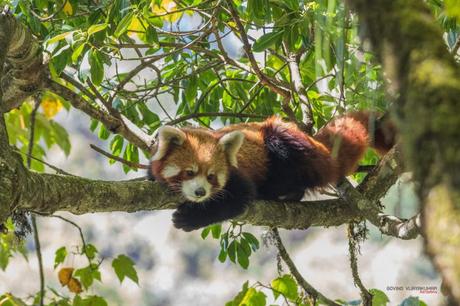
(425, 83)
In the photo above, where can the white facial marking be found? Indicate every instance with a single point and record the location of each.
(190, 187)
(170, 171)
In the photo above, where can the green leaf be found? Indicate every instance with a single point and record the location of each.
(205, 232)
(216, 230)
(254, 298)
(103, 133)
(151, 36)
(239, 297)
(96, 67)
(222, 255)
(124, 267)
(61, 137)
(252, 240)
(5, 254)
(232, 250)
(379, 298)
(117, 145)
(243, 256)
(60, 256)
(10, 300)
(59, 37)
(411, 301)
(452, 8)
(286, 286)
(94, 124)
(123, 25)
(90, 251)
(267, 40)
(93, 300)
(77, 52)
(96, 28)
(88, 274)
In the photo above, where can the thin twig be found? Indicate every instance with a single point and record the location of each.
(47, 18)
(214, 114)
(82, 237)
(136, 136)
(119, 159)
(58, 170)
(39, 258)
(33, 116)
(271, 83)
(293, 269)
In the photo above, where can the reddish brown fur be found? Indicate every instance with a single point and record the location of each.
(337, 147)
(201, 148)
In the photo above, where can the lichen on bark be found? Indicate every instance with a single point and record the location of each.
(425, 83)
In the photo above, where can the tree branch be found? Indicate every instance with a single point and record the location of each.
(264, 79)
(24, 70)
(401, 228)
(119, 159)
(120, 126)
(315, 294)
(299, 88)
(425, 83)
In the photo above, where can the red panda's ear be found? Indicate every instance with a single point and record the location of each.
(231, 143)
(168, 135)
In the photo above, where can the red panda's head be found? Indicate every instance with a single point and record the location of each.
(195, 162)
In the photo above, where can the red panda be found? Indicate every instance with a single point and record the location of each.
(220, 172)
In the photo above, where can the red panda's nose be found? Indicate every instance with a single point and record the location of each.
(200, 192)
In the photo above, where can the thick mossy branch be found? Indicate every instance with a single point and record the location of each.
(425, 82)
(47, 193)
(23, 73)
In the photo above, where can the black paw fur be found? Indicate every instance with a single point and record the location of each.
(190, 217)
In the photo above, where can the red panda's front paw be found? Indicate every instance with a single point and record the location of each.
(188, 218)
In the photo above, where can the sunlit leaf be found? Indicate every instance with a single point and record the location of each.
(51, 105)
(266, 41)
(124, 267)
(60, 256)
(166, 7)
(68, 9)
(286, 286)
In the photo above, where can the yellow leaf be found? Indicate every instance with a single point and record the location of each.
(22, 123)
(65, 275)
(74, 285)
(231, 24)
(136, 27)
(166, 6)
(51, 105)
(68, 9)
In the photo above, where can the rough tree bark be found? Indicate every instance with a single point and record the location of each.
(425, 83)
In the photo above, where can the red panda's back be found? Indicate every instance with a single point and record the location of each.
(252, 156)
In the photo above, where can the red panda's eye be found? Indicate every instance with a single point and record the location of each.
(211, 177)
(189, 173)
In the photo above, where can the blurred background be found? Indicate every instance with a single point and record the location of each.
(178, 268)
